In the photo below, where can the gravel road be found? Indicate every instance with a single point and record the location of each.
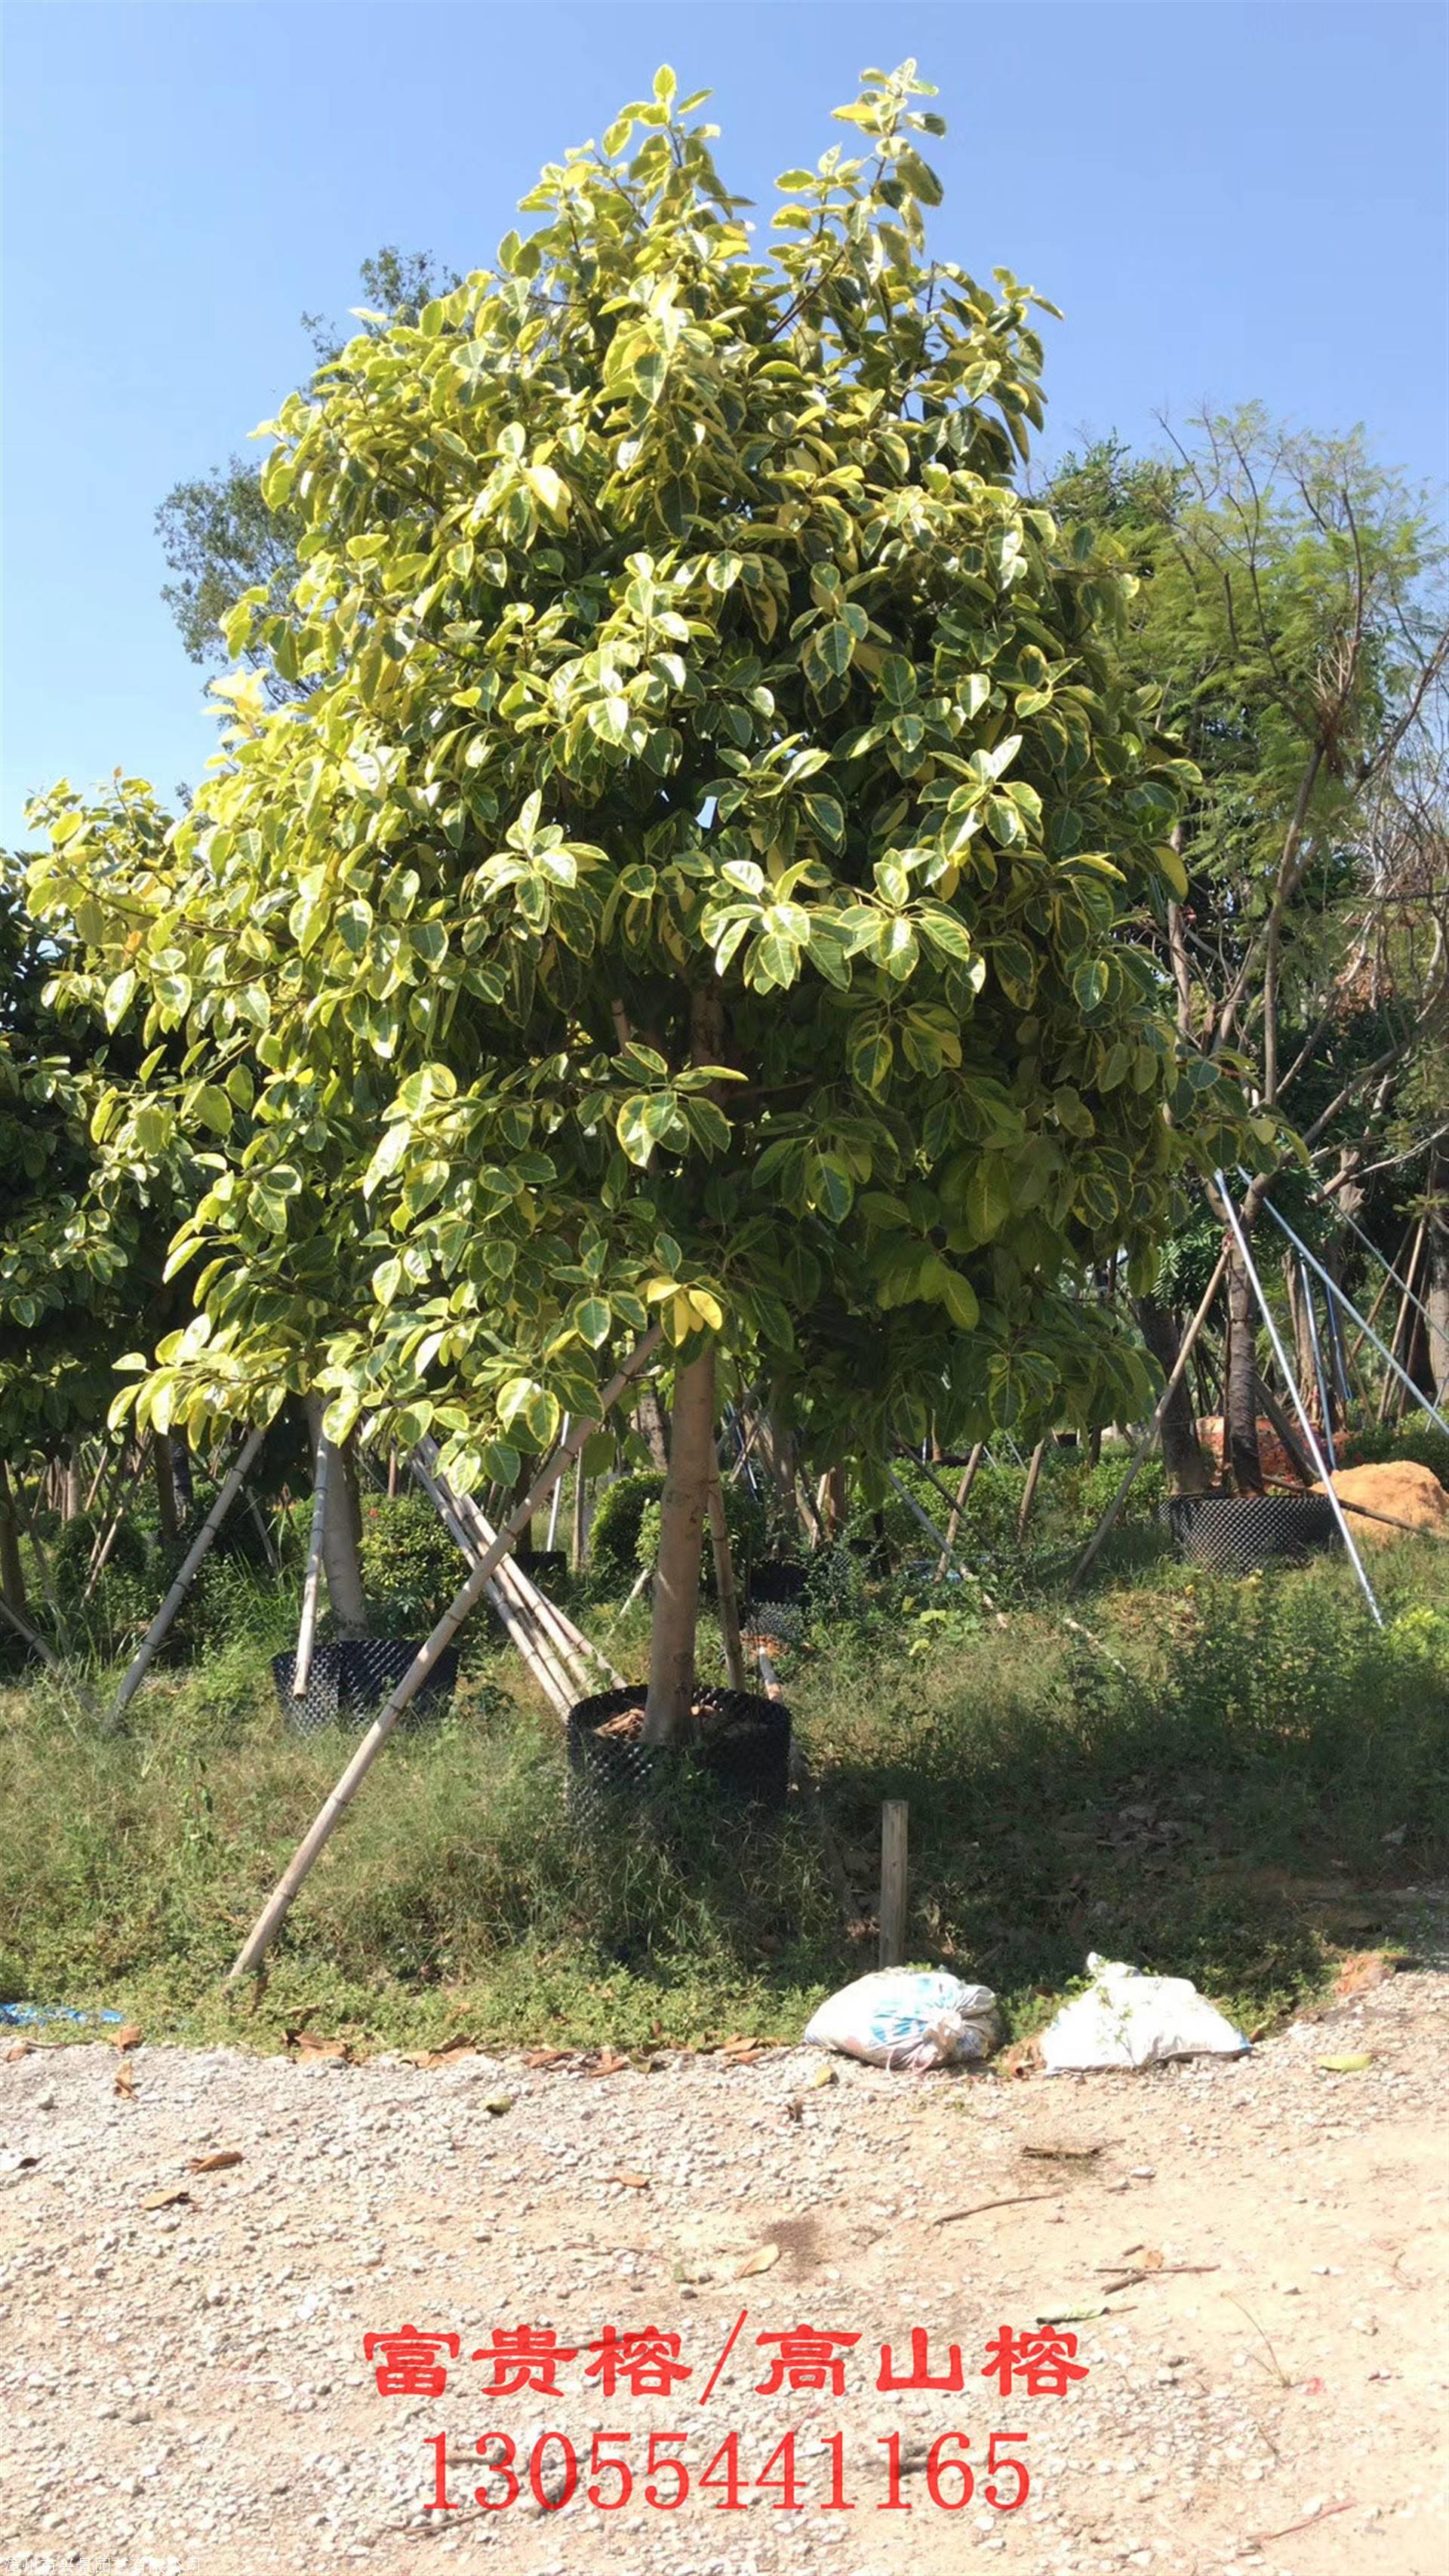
(183, 2388)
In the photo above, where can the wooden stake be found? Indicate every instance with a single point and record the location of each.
(1094, 1544)
(894, 1831)
(968, 1478)
(533, 1649)
(307, 1627)
(725, 1587)
(274, 1912)
(199, 1547)
(1028, 1496)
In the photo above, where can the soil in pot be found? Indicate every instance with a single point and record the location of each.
(742, 1749)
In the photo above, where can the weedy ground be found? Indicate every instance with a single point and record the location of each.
(1223, 1780)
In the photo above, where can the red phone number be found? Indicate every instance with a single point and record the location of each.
(552, 2474)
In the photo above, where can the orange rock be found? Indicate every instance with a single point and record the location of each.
(1398, 1489)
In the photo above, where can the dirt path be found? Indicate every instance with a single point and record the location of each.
(184, 2390)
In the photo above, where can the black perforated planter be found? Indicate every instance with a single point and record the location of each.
(743, 1752)
(349, 1682)
(1236, 1533)
(776, 1584)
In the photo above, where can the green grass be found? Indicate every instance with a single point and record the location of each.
(1196, 1776)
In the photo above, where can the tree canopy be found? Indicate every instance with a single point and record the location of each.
(713, 870)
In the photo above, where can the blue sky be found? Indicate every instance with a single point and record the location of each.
(1228, 201)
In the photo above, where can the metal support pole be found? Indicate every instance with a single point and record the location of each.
(307, 1628)
(1325, 1399)
(1349, 1308)
(1300, 1408)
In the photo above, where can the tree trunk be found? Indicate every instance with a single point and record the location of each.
(181, 1483)
(12, 1573)
(1302, 1337)
(341, 1533)
(775, 1448)
(1436, 1301)
(1240, 1401)
(1184, 1463)
(667, 1712)
(165, 1487)
(70, 1485)
(654, 1427)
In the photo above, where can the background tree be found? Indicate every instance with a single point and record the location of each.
(1290, 608)
(711, 872)
(219, 534)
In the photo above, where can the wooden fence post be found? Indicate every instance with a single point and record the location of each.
(894, 1832)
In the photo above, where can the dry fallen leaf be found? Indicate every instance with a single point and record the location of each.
(1150, 2259)
(312, 2045)
(543, 2056)
(125, 2079)
(129, 2037)
(608, 2063)
(217, 2162)
(1351, 2065)
(631, 2181)
(167, 2199)
(824, 2075)
(1063, 2155)
(762, 2260)
(20, 2049)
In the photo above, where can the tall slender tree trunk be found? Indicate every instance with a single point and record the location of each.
(165, 1486)
(12, 1573)
(654, 1428)
(341, 1533)
(1240, 1397)
(70, 1484)
(668, 1709)
(1183, 1461)
(182, 1485)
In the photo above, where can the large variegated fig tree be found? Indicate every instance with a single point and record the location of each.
(702, 878)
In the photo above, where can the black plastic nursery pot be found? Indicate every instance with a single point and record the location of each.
(777, 1584)
(1236, 1533)
(743, 1751)
(349, 1682)
(543, 1564)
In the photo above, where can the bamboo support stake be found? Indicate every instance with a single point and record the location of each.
(521, 1631)
(200, 1545)
(536, 1606)
(894, 1833)
(274, 1912)
(724, 1584)
(1398, 1333)
(307, 1627)
(968, 1478)
(1389, 1280)
(557, 1497)
(1175, 1377)
(112, 1530)
(1028, 1494)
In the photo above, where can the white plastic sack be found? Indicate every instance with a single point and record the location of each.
(1126, 2019)
(907, 2017)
